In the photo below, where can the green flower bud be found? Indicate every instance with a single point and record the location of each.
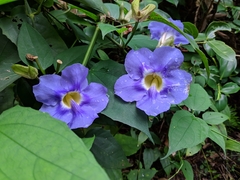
(28, 72)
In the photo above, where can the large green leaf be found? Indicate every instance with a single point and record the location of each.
(222, 50)
(186, 131)
(36, 146)
(106, 73)
(11, 25)
(8, 56)
(31, 42)
(198, 98)
(215, 135)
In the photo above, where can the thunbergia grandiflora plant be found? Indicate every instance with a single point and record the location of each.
(110, 90)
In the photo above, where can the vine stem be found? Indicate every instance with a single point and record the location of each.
(91, 45)
(133, 32)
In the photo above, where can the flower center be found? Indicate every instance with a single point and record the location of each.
(71, 96)
(153, 80)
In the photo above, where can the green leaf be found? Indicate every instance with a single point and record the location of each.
(149, 156)
(222, 50)
(175, 2)
(233, 145)
(106, 28)
(42, 147)
(214, 118)
(106, 150)
(193, 150)
(70, 56)
(8, 56)
(138, 41)
(226, 68)
(6, 1)
(115, 174)
(31, 42)
(6, 99)
(221, 103)
(95, 4)
(186, 131)
(198, 98)
(129, 144)
(141, 174)
(191, 29)
(106, 73)
(88, 142)
(230, 88)
(216, 26)
(113, 10)
(215, 135)
(187, 170)
(11, 25)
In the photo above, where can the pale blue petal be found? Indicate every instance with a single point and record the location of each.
(153, 103)
(128, 89)
(166, 59)
(95, 96)
(176, 86)
(74, 77)
(137, 62)
(49, 90)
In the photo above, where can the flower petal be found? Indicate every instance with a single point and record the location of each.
(83, 116)
(128, 89)
(166, 59)
(177, 86)
(58, 112)
(157, 29)
(137, 61)
(48, 91)
(74, 77)
(95, 96)
(153, 103)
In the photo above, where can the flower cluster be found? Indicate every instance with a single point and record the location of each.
(154, 81)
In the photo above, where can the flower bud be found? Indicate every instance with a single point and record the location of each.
(28, 72)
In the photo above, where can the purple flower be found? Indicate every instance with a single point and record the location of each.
(69, 98)
(154, 79)
(165, 33)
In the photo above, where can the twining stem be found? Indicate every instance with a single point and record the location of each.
(90, 47)
(133, 32)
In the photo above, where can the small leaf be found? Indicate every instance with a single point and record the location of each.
(222, 50)
(24, 132)
(8, 56)
(141, 174)
(139, 41)
(186, 131)
(6, 1)
(88, 142)
(226, 68)
(214, 118)
(95, 4)
(198, 98)
(106, 28)
(31, 42)
(230, 88)
(175, 2)
(216, 26)
(190, 29)
(187, 170)
(149, 156)
(233, 145)
(215, 135)
(110, 157)
(128, 144)
(193, 150)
